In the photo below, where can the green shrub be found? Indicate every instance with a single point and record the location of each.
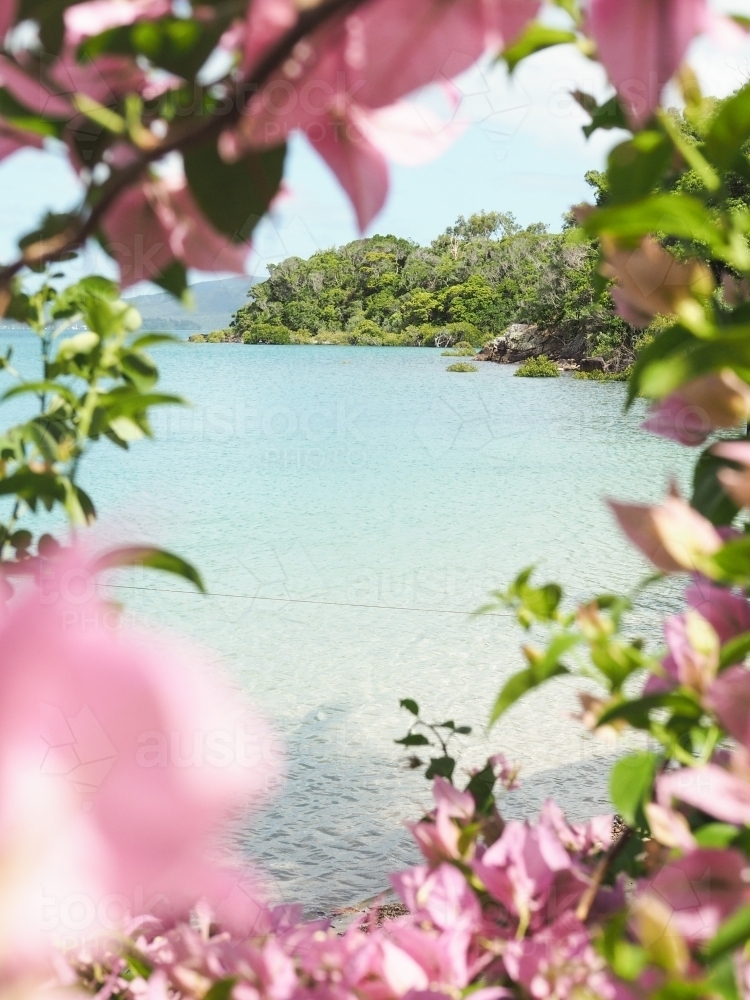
(267, 333)
(420, 336)
(217, 336)
(197, 338)
(462, 366)
(367, 333)
(301, 337)
(599, 376)
(540, 367)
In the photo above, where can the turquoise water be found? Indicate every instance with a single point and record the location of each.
(348, 507)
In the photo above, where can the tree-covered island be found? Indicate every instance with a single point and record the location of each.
(482, 276)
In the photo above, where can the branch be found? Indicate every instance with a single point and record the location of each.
(600, 872)
(47, 251)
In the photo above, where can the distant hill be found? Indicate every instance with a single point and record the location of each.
(215, 303)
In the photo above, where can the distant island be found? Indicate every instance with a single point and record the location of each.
(484, 281)
(213, 303)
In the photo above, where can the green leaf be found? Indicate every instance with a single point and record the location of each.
(99, 114)
(512, 690)
(636, 712)
(715, 835)
(152, 558)
(221, 989)
(414, 740)
(178, 45)
(690, 153)
(732, 933)
(535, 38)
(603, 116)
(234, 196)
(733, 559)
(671, 214)
(410, 705)
(735, 650)
(667, 343)
(630, 785)
(174, 280)
(81, 344)
(152, 339)
(547, 667)
(442, 767)
(730, 130)
(636, 166)
(709, 497)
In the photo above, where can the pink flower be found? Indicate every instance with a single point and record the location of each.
(521, 869)
(581, 838)
(729, 698)
(701, 889)
(104, 79)
(694, 648)
(86, 19)
(504, 772)
(728, 613)
(561, 962)
(735, 481)
(438, 837)
(443, 895)
(711, 788)
(32, 92)
(642, 44)
(689, 415)
(150, 226)
(672, 535)
(120, 760)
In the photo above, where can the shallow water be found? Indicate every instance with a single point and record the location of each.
(348, 508)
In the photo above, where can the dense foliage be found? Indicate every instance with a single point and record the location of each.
(469, 284)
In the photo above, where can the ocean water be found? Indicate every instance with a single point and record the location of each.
(349, 508)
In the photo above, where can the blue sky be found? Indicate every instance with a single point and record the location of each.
(523, 151)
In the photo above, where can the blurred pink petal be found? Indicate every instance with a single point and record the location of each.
(150, 226)
(13, 139)
(729, 698)
(672, 535)
(394, 48)
(407, 134)
(86, 19)
(710, 788)
(443, 895)
(7, 16)
(120, 761)
(728, 613)
(30, 91)
(694, 647)
(360, 168)
(735, 481)
(104, 79)
(267, 21)
(701, 889)
(713, 401)
(669, 827)
(560, 961)
(642, 44)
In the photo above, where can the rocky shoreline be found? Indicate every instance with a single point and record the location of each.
(522, 341)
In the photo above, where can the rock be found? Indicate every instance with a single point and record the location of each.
(592, 365)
